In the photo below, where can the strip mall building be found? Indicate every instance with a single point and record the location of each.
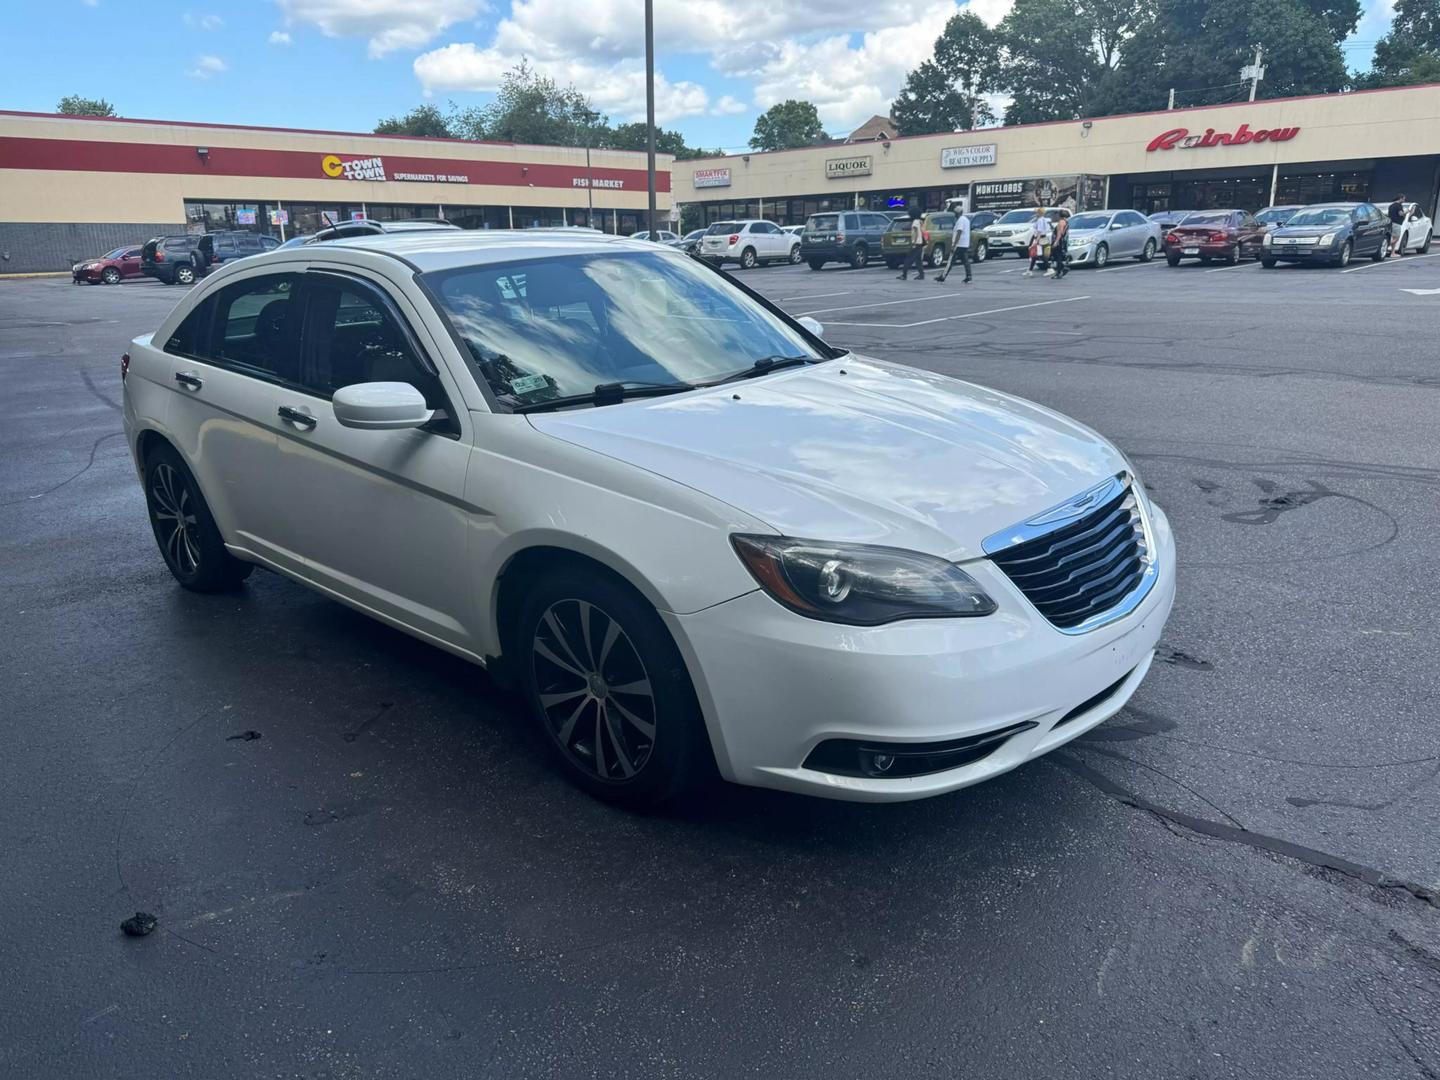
(1365, 146)
(74, 187)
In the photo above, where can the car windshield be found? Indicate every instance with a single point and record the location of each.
(1265, 217)
(115, 254)
(1221, 218)
(1081, 222)
(823, 223)
(1321, 215)
(545, 328)
(695, 235)
(1016, 217)
(720, 228)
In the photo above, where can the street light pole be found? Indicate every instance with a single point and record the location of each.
(650, 110)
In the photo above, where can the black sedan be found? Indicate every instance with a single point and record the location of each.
(1332, 233)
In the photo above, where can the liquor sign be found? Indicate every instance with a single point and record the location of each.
(703, 178)
(1181, 139)
(840, 168)
(965, 157)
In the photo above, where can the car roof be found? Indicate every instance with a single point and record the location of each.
(445, 249)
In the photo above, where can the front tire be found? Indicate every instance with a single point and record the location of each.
(1102, 256)
(110, 276)
(1425, 247)
(748, 259)
(1404, 239)
(1343, 259)
(1149, 251)
(608, 690)
(795, 255)
(189, 540)
(1383, 251)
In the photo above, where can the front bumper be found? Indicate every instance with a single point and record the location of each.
(86, 275)
(1305, 253)
(774, 685)
(1000, 244)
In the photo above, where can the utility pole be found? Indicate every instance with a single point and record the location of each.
(650, 110)
(1255, 72)
(1171, 107)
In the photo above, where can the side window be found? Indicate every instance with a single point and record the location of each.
(352, 337)
(133, 253)
(188, 336)
(256, 327)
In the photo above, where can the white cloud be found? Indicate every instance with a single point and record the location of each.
(205, 66)
(615, 88)
(388, 24)
(202, 22)
(279, 37)
(728, 106)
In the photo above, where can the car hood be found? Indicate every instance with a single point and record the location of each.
(1086, 234)
(856, 450)
(1308, 230)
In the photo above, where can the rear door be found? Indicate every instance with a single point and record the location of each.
(225, 367)
(379, 514)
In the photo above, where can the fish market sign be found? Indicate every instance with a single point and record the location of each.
(372, 168)
(964, 157)
(839, 168)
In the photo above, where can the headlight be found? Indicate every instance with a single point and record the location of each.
(1265, 240)
(1327, 239)
(860, 584)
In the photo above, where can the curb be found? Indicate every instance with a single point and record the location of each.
(43, 273)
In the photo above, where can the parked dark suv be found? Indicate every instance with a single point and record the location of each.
(849, 236)
(175, 260)
(221, 247)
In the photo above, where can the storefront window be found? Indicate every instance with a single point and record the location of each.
(1322, 187)
(203, 217)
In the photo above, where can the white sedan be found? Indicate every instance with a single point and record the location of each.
(691, 534)
(1414, 234)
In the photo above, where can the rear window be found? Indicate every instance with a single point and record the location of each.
(721, 228)
(1209, 219)
(823, 222)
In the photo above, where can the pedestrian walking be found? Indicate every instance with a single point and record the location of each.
(1040, 232)
(1396, 214)
(959, 244)
(917, 248)
(1060, 249)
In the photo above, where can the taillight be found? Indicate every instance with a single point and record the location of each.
(124, 365)
(734, 238)
(1172, 238)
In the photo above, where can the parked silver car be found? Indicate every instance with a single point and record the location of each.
(1097, 236)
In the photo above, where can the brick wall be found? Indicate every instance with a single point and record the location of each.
(28, 247)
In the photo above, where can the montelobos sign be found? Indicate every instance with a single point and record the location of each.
(1181, 139)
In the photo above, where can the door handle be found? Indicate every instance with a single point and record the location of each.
(188, 379)
(296, 416)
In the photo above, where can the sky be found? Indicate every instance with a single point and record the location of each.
(345, 64)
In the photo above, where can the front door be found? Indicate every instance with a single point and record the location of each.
(379, 515)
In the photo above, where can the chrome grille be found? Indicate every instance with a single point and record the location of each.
(1080, 569)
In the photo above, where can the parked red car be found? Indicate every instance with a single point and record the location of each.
(1228, 235)
(108, 269)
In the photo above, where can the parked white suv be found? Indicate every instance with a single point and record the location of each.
(750, 243)
(693, 535)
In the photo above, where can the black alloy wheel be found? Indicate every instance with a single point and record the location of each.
(184, 529)
(609, 691)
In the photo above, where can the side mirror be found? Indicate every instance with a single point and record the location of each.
(381, 406)
(1117, 225)
(812, 325)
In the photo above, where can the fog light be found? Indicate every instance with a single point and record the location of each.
(876, 764)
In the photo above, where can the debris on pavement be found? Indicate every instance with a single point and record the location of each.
(244, 736)
(139, 924)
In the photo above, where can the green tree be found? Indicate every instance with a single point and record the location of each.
(946, 93)
(1059, 58)
(1301, 43)
(1410, 52)
(787, 126)
(632, 137)
(532, 108)
(75, 105)
(424, 121)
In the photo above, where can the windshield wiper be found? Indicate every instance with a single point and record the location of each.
(605, 394)
(763, 366)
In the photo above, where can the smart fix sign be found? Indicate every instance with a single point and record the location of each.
(371, 168)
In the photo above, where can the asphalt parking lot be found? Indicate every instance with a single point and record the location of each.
(1234, 877)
